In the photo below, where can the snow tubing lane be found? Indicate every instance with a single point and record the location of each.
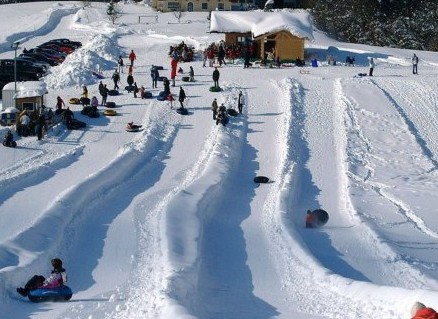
(110, 112)
(261, 179)
(62, 293)
(215, 89)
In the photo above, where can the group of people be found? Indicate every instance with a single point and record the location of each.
(414, 61)
(220, 112)
(181, 52)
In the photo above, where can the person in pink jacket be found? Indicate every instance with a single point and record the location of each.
(57, 278)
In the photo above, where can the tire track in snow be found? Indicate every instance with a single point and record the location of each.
(80, 210)
(185, 272)
(309, 284)
(419, 116)
(419, 111)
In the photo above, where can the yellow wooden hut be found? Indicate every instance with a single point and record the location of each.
(283, 32)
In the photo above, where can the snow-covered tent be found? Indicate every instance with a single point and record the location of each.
(29, 95)
(284, 31)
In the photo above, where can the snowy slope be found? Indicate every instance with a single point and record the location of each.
(167, 222)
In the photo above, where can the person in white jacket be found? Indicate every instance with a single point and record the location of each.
(372, 65)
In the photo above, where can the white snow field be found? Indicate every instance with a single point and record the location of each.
(168, 223)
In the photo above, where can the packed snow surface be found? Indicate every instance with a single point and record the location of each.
(168, 223)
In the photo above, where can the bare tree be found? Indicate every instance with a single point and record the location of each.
(178, 14)
(86, 3)
(114, 11)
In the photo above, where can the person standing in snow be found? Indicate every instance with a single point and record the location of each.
(173, 65)
(181, 96)
(216, 76)
(221, 55)
(68, 118)
(214, 108)
(104, 94)
(240, 102)
(166, 85)
(84, 96)
(191, 74)
(120, 62)
(130, 81)
(116, 79)
(135, 89)
(132, 57)
(414, 64)
(204, 57)
(154, 75)
(372, 65)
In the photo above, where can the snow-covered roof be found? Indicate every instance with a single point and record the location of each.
(258, 23)
(27, 89)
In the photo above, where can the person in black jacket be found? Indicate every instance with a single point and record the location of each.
(130, 80)
(181, 96)
(116, 79)
(216, 76)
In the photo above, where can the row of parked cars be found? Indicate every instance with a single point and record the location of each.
(34, 63)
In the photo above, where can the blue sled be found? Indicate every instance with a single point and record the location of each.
(62, 293)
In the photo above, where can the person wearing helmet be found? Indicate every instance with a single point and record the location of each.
(57, 278)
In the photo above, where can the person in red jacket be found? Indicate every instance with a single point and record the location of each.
(420, 311)
(132, 57)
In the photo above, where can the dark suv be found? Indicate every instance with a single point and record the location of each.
(7, 66)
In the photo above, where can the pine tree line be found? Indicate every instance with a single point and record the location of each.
(406, 24)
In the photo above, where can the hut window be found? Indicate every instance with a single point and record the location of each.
(173, 6)
(220, 6)
(29, 106)
(204, 6)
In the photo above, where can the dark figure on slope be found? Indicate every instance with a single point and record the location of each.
(181, 96)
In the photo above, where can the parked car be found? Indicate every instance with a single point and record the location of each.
(7, 77)
(8, 66)
(41, 57)
(58, 47)
(75, 44)
(51, 54)
(37, 63)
